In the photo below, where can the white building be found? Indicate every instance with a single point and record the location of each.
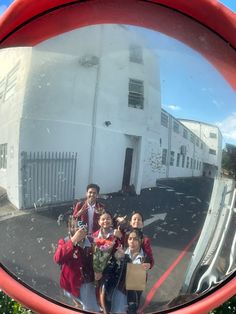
(75, 111)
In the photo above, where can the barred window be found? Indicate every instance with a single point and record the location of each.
(178, 159)
(164, 119)
(164, 156)
(176, 127)
(2, 88)
(212, 151)
(172, 158)
(3, 156)
(183, 161)
(136, 94)
(185, 133)
(213, 135)
(187, 164)
(11, 81)
(192, 138)
(135, 54)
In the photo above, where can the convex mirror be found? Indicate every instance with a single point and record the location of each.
(140, 99)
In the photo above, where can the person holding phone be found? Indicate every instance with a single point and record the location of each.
(74, 255)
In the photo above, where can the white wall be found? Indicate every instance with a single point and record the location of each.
(11, 105)
(62, 100)
(67, 103)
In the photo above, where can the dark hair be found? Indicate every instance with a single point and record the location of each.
(106, 212)
(138, 233)
(138, 213)
(93, 186)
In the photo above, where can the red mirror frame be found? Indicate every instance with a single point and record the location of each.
(19, 26)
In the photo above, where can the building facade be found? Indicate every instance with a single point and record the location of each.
(75, 111)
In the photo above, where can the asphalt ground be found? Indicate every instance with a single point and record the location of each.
(174, 212)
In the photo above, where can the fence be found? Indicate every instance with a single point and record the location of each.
(47, 178)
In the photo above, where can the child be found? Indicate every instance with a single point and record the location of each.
(104, 262)
(127, 301)
(74, 254)
(136, 221)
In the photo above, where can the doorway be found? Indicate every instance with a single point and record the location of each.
(127, 168)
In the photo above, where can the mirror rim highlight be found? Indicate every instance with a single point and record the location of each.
(41, 305)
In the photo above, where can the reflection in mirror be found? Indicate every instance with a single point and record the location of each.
(142, 115)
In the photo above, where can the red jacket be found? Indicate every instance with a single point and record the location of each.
(99, 208)
(146, 246)
(76, 265)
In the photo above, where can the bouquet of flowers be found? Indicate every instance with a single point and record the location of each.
(101, 254)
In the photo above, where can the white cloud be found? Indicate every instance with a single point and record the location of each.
(228, 127)
(2, 8)
(173, 107)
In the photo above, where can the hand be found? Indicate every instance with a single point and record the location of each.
(120, 253)
(79, 235)
(118, 233)
(146, 266)
(81, 211)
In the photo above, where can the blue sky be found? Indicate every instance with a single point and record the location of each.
(191, 88)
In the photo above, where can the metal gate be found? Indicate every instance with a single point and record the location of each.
(47, 178)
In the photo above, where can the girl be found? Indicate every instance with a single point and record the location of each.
(136, 221)
(74, 254)
(127, 301)
(104, 262)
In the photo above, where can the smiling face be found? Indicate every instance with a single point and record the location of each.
(136, 221)
(105, 221)
(91, 195)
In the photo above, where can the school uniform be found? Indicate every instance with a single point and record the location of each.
(77, 276)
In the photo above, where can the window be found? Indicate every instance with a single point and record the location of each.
(164, 156)
(191, 163)
(197, 141)
(164, 119)
(212, 151)
(3, 156)
(187, 164)
(194, 164)
(183, 161)
(11, 81)
(135, 54)
(213, 135)
(201, 145)
(172, 158)
(178, 159)
(2, 88)
(192, 138)
(185, 133)
(136, 94)
(176, 127)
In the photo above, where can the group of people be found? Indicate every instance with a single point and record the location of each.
(97, 282)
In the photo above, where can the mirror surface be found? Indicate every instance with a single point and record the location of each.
(143, 115)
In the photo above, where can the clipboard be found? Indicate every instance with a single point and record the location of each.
(136, 277)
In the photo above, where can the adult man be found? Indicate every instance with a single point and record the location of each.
(89, 210)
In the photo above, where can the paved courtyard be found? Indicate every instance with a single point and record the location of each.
(174, 212)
